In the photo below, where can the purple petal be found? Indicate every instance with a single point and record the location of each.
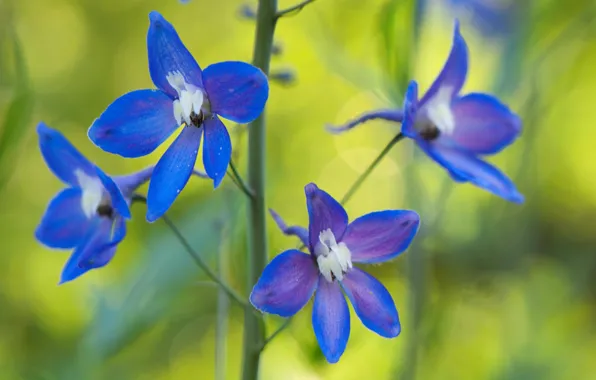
(118, 201)
(217, 149)
(389, 115)
(134, 124)
(372, 303)
(410, 110)
(167, 54)
(300, 232)
(380, 236)
(64, 224)
(237, 91)
(465, 167)
(62, 157)
(172, 172)
(484, 125)
(331, 319)
(128, 184)
(286, 284)
(455, 70)
(324, 212)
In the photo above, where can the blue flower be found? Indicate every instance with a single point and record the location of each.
(291, 278)
(456, 130)
(138, 122)
(89, 215)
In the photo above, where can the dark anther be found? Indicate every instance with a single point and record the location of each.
(105, 210)
(406, 223)
(195, 119)
(429, 132)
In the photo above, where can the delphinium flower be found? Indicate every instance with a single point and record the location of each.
(456, 130)
(290, 279)
(139, 121)
(493, 18)
(89, 215)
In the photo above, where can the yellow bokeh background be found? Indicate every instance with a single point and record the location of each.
(490, 290)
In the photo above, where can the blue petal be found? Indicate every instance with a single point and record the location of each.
(389, 115)
(118, 201)
(465, 167)
(331, 319)
(453, 75)
(134, 124)
(300, 232)
(128, 184)
(237, 91)
(381, 235)
(410, 110)
(64, 224)
(167, 54)
(62, 157)
(217, 149)
(324, 213)
(286, 284)
(372, 303)
(172, 172)
(483, 125)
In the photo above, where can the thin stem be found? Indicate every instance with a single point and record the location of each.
(276, 332)
(196, 257)
(237, 179)
(296, 8)
(356, 185)
(256, 225)
(221, 324)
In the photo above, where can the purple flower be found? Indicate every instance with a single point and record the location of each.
(138, 122)
(89, 215)
(457, 130)
(290, 279)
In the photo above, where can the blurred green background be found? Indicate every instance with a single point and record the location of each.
(490, 290)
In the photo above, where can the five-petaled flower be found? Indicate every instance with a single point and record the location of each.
(291, 278)
(139, 121)
(90, 214)
(455, 130)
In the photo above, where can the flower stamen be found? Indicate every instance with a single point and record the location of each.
(334, 260)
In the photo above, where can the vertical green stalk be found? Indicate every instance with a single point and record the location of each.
(256, 226)
(223, 308)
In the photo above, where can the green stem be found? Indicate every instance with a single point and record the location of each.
(293, 9)
(276, 332)
(256, 225)
(221, 323)
(237, 179)
(370, 168)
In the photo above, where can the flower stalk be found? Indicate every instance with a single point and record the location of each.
(256, 225)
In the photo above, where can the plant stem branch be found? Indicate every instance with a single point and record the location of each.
(293, 9)
(237, 179)
(276, 332)
(256, 226)
(356, 185)
(196, 257)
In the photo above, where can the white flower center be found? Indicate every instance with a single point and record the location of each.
(437, 112)
(94, 194)
(334, 259)
(191, 101)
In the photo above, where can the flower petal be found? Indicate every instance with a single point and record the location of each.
(453, 75)
(128, 184)
(172, 172)
(465, 167)
(134, 124)
(62, 157)
(97, 236)
(324, 212)
(380, 236)
(331, 319)
(300, 232)
(484, 125)
(389, 115)
(237, 91)
(410, 110)
(167, 54)
(286, 284)
(372, 303)
(64, 224)
(217, 149)
(118, 201)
